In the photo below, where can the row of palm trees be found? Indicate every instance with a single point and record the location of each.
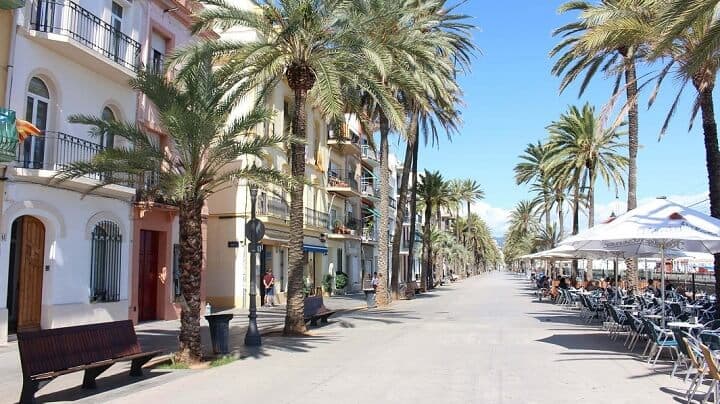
(614, 38)
(392, 63)
(464, 246)
(577, 151)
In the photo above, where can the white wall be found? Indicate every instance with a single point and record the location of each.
(69, 219)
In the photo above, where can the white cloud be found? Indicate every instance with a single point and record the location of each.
(496, 218)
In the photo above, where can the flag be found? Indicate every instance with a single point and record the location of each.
(25, 129)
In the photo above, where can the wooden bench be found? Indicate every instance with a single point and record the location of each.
(47, 354)
(315, 309)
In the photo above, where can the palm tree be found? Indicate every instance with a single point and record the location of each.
(523, 222)
(318, 48)
(581, 149)
(594, 43)
(437, 44)
(432, 191)
(694, 62)
(208, 151)
(531, 168)
(455, 190)
(471, 193)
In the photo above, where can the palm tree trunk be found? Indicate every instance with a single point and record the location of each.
(426, 247)
(400, 210)
(576, 225)
(294, 315)
(633, 142)
(191, 253)
(591, 198)
(712, 159)
(561, 216)
(413, 208)
(382, 295)
(468, 230)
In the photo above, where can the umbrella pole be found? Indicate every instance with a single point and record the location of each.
(692, 274)
(662, 281)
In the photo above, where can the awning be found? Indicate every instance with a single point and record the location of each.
(373, 212)
(315, 248)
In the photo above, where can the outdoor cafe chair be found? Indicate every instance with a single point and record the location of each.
(683, 354)
(637, 330)
(696, 359)
(712, 325)
(713, 372)
(661, 339)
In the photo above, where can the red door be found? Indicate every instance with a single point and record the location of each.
(147, 294)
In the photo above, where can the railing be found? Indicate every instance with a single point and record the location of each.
(342, 179)
(368, 189)
(369, 234)
(368, 153)
(69, 19)
(349, 138)
(273, 206)
(345, 224)
(55, 151)
(316, 218)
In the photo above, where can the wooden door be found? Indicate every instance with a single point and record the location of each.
(147, 293)
(30, 279)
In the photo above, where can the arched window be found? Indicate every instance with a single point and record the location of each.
(36, 111)
(105, 263)
(108, 139)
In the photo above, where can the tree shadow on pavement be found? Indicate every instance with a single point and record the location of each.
(277, 342)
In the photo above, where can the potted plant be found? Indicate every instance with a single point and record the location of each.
(337, 226)
(327, 284)
(341, 281)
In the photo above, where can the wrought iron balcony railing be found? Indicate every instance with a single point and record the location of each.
(272, 206)
(68, 18)
(316, 218)
(342, 179)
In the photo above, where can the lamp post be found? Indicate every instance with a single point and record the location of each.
(254, 231)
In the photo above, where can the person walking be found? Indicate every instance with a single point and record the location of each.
(269, 283)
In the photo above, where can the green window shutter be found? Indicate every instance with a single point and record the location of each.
(8, 135)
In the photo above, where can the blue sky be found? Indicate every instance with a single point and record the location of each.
(511, 97)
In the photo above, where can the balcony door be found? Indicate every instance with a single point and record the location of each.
(116, 17)
(36, 111)
(107, 140)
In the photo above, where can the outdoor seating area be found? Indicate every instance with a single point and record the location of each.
(657, 324)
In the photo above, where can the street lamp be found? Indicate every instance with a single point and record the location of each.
(254, 232)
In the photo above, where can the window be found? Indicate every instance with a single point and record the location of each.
(158, 48)
(105, 263)
(116, 17)
(107, 139)
(36, 111)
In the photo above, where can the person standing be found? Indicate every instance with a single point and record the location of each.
(375, 280)
(269, 283)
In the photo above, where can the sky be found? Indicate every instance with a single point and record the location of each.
(511, 96)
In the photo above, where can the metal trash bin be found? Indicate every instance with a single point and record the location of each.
(370, 298)
(220, 332)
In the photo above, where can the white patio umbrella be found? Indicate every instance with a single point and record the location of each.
(655, 227)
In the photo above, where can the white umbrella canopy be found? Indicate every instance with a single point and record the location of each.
(658, 226)
(653, 227)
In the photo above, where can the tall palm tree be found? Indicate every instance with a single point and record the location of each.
(471, 193)
(581, 149)
(694, 62)
(207, 152)
(317, 46)
(592, 44)
(531, 168)
(455, 190)
(432, 191)
(445, 36)
(523, 222)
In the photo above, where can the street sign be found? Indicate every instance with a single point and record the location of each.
(254, 230)
(255, 248)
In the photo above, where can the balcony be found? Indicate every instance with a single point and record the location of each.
(346, 226)
(369, 235)
(271, 208)
(316, 219)
(347, 143)
(369, 190)
(343, 183)
(38, 159)
(369, 155)
(77, 34)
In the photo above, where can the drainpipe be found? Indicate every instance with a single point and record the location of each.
(11, 59)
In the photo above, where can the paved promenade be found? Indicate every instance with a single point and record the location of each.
(480, 341)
